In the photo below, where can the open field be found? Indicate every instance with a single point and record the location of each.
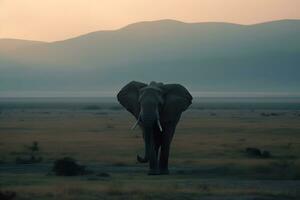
(207, 160)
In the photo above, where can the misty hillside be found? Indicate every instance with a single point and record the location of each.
(203, 56)
(8, 46)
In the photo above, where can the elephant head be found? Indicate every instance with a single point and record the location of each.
(154, 106)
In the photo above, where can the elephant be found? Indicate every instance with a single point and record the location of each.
(157, 108)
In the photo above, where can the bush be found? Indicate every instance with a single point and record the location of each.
(31, 155)
(7, 195)
(253, 152)
(68, 167)
(257, 153)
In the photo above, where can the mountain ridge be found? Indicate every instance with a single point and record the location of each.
(206, 56)
(162, 20)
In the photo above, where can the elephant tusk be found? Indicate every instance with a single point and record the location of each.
(134, 126)
(159, 125)
(136, 123)
(158, 122)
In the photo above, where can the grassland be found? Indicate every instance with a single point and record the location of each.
(207, 160)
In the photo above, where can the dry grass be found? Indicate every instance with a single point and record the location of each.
(202, 141)
(140, 187)
(107, 138)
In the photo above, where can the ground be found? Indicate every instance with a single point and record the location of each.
(207, 160)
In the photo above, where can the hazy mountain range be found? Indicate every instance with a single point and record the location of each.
(216, 57)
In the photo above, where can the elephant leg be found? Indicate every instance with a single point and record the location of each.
(153, 164)
(167, 137)
(156, 145)
(164, 159)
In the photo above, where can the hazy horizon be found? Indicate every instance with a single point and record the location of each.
(59, 20)
(101, 94)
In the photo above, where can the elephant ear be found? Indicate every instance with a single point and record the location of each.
(176, 100)
(129, 95)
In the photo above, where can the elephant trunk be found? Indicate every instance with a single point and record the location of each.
(148, 119)
(148, 147)
(145, 159)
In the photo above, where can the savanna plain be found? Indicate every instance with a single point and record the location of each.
(208, 160)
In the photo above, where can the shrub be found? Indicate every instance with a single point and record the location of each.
(68, 167)
(257, 153)
(31, 155)
(253, 152)
(7, 195)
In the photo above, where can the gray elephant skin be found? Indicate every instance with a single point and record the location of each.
(157, 108)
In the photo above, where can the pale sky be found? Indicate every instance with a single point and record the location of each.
(51, 20)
